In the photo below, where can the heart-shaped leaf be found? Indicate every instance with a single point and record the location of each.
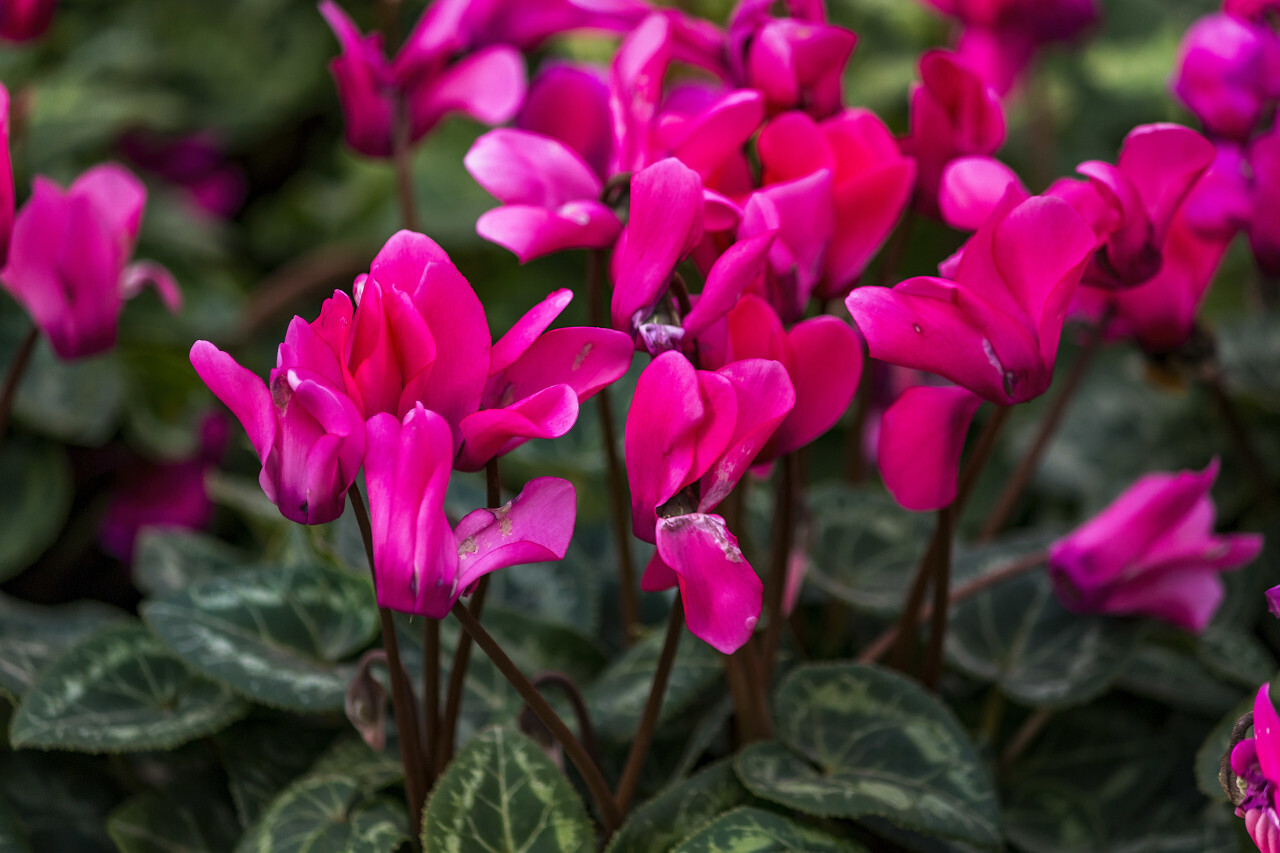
(171, 559)
(275, 634)
(751, 830)
(324, 813)
(195, 817)
(503, 795)
(32, 636)
(120, 689)
(857, 740)
(262, 757)
(676, 812)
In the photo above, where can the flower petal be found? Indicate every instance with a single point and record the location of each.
(535, 527)
(921, 437)
(722, 594)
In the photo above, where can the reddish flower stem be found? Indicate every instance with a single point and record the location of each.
(572, 746)
(430, 697)
(402, 156)
(941, 587)
(652, 708)
(16, 369)
(776, 580)
(402, 702)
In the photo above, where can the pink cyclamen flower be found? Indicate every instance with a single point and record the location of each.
(1273, 601)
(690, 436)
(163, 494)
(432, 75)
(423, 566)
(796, 62)
(1255, 761)
(869, 186)
(68, 261)
(921, 438)
(995, 328)
(1152, 552)
(569, 102)
(24, 20)
(1226, 73)
(197, 163)
(954, 113)
(308, 434)
(7, 194)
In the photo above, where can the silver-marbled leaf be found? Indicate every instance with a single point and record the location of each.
(326, 813)
(752, 830)
(31, 636)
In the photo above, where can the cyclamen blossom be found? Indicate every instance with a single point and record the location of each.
(1228, 74)
(1255, 762)
(197, 163)
(690, 436)
(422, 565)
(68, 261)
(431, 76)
(1152, 552)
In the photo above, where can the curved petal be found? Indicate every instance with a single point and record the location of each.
(732, 272)
(570, 102)
(921, 437)
(549, 413)
(118, 196)
(1163, 161)
(488, 85)
(825, 366)
(526, 330)
(241, 390)
(722, 594)
(719, 131)
(532, 232)
(519, 167)
(535, 527)
(765, 396)
(585, 359)
(142, 273)
(658, 443)
(972, 188)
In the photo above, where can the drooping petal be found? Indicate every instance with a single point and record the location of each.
(825, 366)
(142, 273)
(722, 593)
(662, 424)
(921, 437)
(535, 527)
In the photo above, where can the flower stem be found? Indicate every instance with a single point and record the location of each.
(1015, 485)
(884, 642)
(574, 694)
(1025, 736)
(401, 691)
(619, 506)
(430, 696)
(572, 746)
(402, 155)
(941, 587)
(462, 652)
(1244, 442)
(978, 457)
(649, 720)
(776, 581)
(18, 367)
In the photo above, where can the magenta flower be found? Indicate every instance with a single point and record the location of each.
(999, 38)
(822, 357)
(163, 494)
(1255, 761)
(421, 565)
(1228, 74)
(1132, 204)
(197, 163)
(1264, 221)
(528, 24)
(1152, 552)
(24, 20)
(538, 379)
(796, 62)
(432, 75)
(308, 434)
(995, 328)
(954, 113)
(690, 436)
(68, 261)
(869, 184)
(7, 194)
(569, 102)
(921, 437)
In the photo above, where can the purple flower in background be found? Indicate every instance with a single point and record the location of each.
(197, 163)
(24, 20)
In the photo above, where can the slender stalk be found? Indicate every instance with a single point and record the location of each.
(941, 588)
(430, 696)
(572, 746)
(1025, 736)
(652, 707)
(402, 703)
(18, 367)
(570, 689)
(776, 580)
(402, 156)
(745, 705)
(905, 645)
(978, 457)
(457, 679)
(619, 506)
(1015, 485)
(884, 642)
(462, 652)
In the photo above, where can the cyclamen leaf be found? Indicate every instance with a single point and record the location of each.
(119, 690)
(1038, 653)
(751, 830)
(61, 798)
(676, 812)
(1215, 746)
(192, 818)
(32, 636)
(77, 401)
(1171, 672)
(857, 740)
(323, 813)
(34, 503)
(262, 757)
(275, 634)
(1042, 816)
(503, 795)
(351, 757)
(168, 560)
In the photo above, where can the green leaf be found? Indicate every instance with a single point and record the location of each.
(13, 837)
(857, 740)
(275, 634)
(676, 812)
(171, 559)
(351, 757)
(61, 798)
(751, 830)
(34, 503)
(118, 690)
(865, 546)
(1038, 653)
(262, 757)
(1209, 756)
(1172, 673)
(502, 795)
(78, 401)
(327, 814)
(32, 636)
(618, 696)
(1049, 818)
(195, 817)
(1238, 657)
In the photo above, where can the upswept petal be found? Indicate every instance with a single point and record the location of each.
(520, 167)
(972, 188)
(732, 272)
(825, 365)
(241, 391)
(921, 438)
(1163, 161)
(764, 398)
(488, 85)
(532, 232)
(706, 140)
(570, 102)
(488, 433)
(722, 594)
(584, 358)
(119, 198)
(535, 527)
(526, 330)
